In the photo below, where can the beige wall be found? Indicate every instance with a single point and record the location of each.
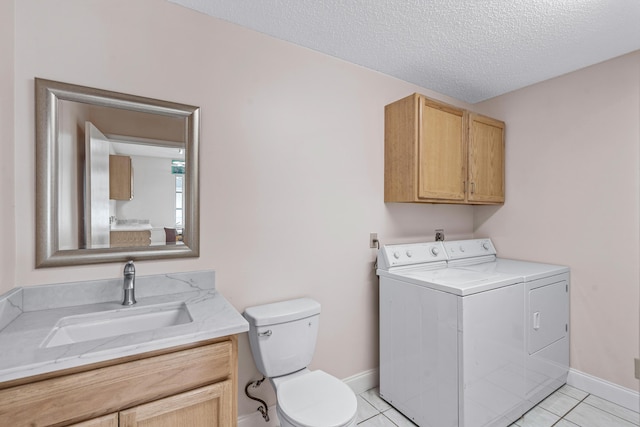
(292, 171)
(291, 159)
(7, 191)
(573, 188)
(7, 177)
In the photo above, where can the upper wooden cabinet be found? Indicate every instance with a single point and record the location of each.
(120, 178)
(438, 153)
(486, 159)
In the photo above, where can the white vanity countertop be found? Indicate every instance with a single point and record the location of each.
(131, 227)
(27, 316)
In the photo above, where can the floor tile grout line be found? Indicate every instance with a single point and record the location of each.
(380, 411)
(597, 408)
(390, 420)
(573, 407)
(610, 413)
(563, 417)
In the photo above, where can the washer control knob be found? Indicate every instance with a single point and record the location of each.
(396, 255)
(485, 246)
(461, 248)
(409, 254)
(435, 251)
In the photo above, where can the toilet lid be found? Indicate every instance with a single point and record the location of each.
(317, 399)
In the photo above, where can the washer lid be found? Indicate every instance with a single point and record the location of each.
(456, 281)
(317, 400)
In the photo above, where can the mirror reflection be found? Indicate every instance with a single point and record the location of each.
(132, 186)
(117, 176)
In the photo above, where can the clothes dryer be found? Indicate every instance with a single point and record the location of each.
(546, 311)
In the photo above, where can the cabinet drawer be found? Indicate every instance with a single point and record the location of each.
(86, 395)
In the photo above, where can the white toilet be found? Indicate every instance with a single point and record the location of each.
(283, 339)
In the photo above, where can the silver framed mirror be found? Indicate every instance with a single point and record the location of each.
(92, 209)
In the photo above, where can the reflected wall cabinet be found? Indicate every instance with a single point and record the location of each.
(120, 178)
(438, 153)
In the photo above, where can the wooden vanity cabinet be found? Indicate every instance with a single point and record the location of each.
(120, 178)
(192, 385)
(438, 153)
(127, 239)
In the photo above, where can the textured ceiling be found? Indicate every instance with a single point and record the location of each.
(471, 50)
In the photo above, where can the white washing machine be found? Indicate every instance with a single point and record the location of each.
(452, 341)
(546, 312)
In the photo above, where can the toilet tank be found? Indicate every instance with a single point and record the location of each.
(283, 335)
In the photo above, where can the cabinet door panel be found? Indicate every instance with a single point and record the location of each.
(120, 178)
(486, 160)
(441, 153)
(110, 420)
(208, 406)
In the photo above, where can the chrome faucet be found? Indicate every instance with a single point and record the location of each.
(129, 285)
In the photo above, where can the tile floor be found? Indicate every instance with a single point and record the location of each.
(567, 407)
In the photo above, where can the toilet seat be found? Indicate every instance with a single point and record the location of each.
(317, 399)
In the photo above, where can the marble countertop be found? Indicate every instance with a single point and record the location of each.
(28, 315)
(131, 227)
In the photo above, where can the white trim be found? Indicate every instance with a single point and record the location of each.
(255, 419)
(366, 380)
(619, 395)
(363, 381)
(359, 383)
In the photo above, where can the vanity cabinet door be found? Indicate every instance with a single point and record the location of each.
(110, 420)
(208, 406)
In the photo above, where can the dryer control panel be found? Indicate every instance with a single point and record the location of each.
(469, 248)
(410, 253)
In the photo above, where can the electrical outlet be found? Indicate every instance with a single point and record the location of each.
(637, 368)
(439, 235)
(373, 240)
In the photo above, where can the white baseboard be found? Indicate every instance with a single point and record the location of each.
(359, 383)
(619, 395)
(366, 380)
(363, 381)
(255, 419)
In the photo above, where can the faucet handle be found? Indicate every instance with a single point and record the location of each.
(129, 268)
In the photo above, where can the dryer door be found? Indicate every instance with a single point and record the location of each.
(548, 315)
(547, 336)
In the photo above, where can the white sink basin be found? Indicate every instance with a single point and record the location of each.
(86, 327)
